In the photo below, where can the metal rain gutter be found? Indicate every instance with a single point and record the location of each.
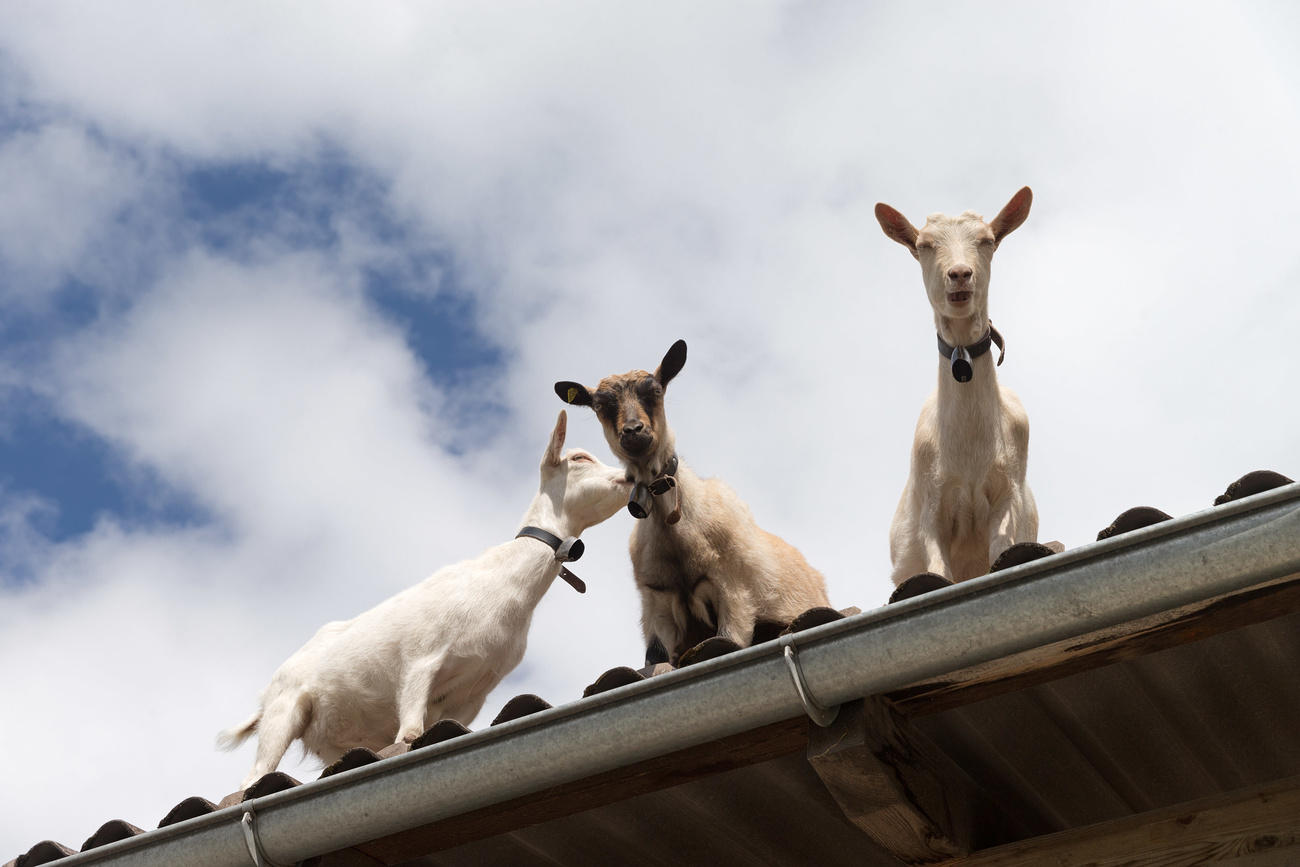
(1155, 569)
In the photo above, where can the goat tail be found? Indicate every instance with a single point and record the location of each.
(233, 737)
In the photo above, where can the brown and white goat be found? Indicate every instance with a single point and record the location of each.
(698, 557)
(966, 499)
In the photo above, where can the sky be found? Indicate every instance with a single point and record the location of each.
(284, 289)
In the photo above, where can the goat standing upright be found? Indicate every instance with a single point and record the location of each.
(966, 499)
(435, 650)
(698, 557)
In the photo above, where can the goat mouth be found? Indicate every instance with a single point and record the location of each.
(635, 445)
(961, 296)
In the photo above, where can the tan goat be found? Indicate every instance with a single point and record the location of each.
(966, 499)
(698, 557)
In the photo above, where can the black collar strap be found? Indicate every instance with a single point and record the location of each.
(962, 356)
(639, 502)
(566, 551)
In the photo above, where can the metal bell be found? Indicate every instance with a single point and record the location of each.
(640, 501)
(962, 371)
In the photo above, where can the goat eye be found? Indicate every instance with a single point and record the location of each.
(583, 459)
(925, 245)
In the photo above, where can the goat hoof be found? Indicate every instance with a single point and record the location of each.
(918, 585)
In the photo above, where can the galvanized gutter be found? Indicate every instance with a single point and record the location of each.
(1158, 568)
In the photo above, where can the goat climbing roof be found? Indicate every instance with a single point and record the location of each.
(1131, 697)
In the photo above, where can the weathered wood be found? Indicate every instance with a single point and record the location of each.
(1082, 653)
(343, 858)
(891, 781)
(1261, 821)
(737, 751)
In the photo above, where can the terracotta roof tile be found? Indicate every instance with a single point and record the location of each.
(110, 832)
(190, 808)
(613, 679)
(442, 730)
(813, 617)
(358, 757)
(1256, 482)
(1019, 554)
(1133, 519)
(925, 582)
(521, 706)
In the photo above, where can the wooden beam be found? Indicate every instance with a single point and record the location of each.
(1260, 825)
(894, 784)
(737, 751)
(1082, 653)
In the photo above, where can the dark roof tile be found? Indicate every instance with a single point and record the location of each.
(813, 617)
(1019, 554)
(358, 757)
(43, 853)
(709, 648)
(276, 781)
(520, 705)
(1252, 483)
(917, 585)
(1134, 519)
(110, 832)
(190, 808)
(612, 679)
(442, 730)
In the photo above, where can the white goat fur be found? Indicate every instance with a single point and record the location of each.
(716, 559)
(966, 500)
(435, 650)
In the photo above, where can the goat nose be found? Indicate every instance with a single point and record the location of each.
(633, 427)
(960, 273)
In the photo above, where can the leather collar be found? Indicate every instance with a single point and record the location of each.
(961, 356)
(639, 501)
(566, 551)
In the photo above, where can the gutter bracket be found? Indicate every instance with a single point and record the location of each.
(249, 824)
(821, 715)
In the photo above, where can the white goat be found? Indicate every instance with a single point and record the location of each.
(435, 650)
(966, 499)
(700, 562)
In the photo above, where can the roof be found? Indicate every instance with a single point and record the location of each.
(1136, 695)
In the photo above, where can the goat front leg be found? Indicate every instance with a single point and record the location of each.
(1015, 520)
(658, 621)
(413, 696)
(736, 615)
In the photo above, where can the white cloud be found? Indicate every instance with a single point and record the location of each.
(61, 188)
(606, 181)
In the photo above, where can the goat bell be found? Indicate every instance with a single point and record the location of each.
(640, 501)
(962, 371)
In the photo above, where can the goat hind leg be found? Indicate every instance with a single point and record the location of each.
(284, 720)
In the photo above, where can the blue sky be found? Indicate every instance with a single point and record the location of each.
(283, 292)
(76, 474)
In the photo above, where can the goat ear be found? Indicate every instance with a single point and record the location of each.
(1011, 216)
(555, 447)
(573, 392)
(896, 226)
(674, 361)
